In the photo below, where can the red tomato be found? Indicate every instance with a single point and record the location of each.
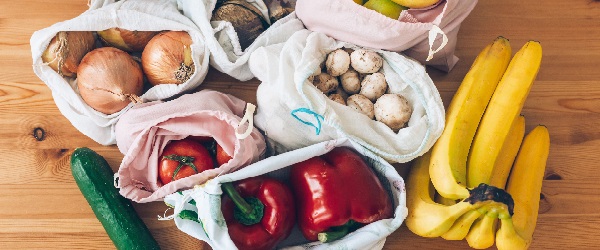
(222, 157)
(179, 158)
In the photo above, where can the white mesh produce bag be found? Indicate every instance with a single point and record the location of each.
(226, 54)
(197, 211)
(143, 15)
(293, 113)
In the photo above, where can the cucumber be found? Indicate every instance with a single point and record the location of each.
(94, 177)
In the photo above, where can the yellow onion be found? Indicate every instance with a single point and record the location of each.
(127, 40)
(109, 79)
(65, 50)
(167, 59)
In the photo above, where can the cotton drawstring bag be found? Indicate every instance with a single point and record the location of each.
(143, 15)
(293, 113)
(197, 211)
(428, 35)
(226, 54)
(144, 131)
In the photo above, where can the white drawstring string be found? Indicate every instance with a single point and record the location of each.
(248, 117)
(433, 33)
(178, 207)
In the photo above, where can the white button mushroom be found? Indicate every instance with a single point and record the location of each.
(325, 82)
(373, 86)
(365, 61)
(350, 81)
(393, 110)
(337, 98)
(338, 62)
(361, 104)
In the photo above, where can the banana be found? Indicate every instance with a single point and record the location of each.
(426, 217)
(461, 227)
(507, 238)
(448, 167)
(502, 111)
(416, 4)
(525, 186)
(443, 200)
(483, 232)
(508, 153)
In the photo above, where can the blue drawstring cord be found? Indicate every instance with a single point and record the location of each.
(310, 112)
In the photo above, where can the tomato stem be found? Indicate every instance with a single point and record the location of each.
(183, 161)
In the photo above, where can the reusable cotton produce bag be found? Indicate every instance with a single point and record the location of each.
(144, 131)
(226, 54)
(419, 33)
(293, 113)
(143, 15)
(211, 226)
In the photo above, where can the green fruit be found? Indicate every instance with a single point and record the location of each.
(94, 177)
(360, 2)
(386, 7)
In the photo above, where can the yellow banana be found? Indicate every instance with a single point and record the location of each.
(508, 153)
(426, 217)
(448, 167)
(461, 227)
(525, 186)
(483, 232)
(502, 111)
(507, 238)
(416, 4)
(443, 200)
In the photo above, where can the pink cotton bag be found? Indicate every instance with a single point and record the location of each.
(145, 130)
(428, 35)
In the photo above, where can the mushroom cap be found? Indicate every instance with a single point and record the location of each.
(361, 104)
(393, 110)
(350, 81)
(338, 62)
(325, 82)
(366, 61)
(373, 86)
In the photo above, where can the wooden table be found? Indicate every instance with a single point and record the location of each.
(41, 207)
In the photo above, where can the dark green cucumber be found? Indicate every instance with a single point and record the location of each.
(94, 177)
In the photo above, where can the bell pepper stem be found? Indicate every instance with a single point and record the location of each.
(338, 232)
(249, 210)
(239, 201)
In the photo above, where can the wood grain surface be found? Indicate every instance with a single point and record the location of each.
(42, 208)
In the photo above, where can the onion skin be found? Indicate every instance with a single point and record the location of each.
(66, 49)
(167, 59)
(246, 20)
(109, 79)
(126, 40)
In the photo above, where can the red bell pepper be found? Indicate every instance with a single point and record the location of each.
(259, 212)
(337, 193)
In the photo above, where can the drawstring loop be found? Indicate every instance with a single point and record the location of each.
(248, 117)
(433, 33)
(318, 117)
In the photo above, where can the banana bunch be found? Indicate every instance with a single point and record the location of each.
(482, 179)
